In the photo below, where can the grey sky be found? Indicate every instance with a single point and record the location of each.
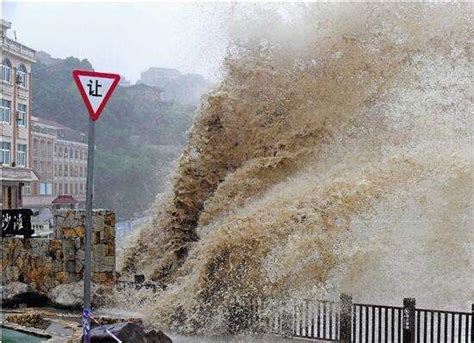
(126, 38)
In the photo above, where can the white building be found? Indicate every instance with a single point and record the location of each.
(59, 156)
(15, 114)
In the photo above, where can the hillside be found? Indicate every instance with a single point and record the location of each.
(138, 136)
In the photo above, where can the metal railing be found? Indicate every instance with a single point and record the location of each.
(375, 323)
(345, 321)
(443, 326)
(14, 46)
(310, 319)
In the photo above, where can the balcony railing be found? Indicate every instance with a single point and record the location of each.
(18, 48)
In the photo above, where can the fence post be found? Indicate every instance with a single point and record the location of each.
(472, 323)
(409, 320)
(345, 319)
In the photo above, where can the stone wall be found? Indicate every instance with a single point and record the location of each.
(43, 263)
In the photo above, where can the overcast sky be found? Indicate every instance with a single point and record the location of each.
(126, 38)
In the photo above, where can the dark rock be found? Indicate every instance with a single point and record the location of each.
(157, 337)
(17, 294)
(127, 332)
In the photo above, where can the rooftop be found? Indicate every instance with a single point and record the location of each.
(64, 200)
(53, 124)
(17, 174)
(13, 47)
(62, 132)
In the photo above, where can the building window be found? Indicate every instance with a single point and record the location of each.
(21, 114)
(6, 70)
(65, 153)
(26, 190)
(66, 171)
(60, 190)
(76, 154)
(49, 149)
(5, 154)
(46, 188)
(35, 147)
(65, 188)
(5, 110)
(42, 147)
(21, 155)
(21, 76)
(71, 153)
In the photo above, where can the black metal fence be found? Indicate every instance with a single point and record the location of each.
(443, 326)
(311, 319)
(316, 319)
(345, 321)
(374, 323)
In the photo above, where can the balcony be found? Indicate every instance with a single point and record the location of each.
(18, 49)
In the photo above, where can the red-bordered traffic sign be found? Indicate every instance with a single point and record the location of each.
(96, 89)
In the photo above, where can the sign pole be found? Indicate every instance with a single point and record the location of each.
(96, 89)
(87, 244)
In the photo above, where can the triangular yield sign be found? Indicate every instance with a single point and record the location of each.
(96, 89)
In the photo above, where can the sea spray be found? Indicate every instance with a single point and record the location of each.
(340, 161)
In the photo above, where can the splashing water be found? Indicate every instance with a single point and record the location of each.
(335, 155)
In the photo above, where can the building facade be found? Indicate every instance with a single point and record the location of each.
(59, 158)
(15, 124)
(186, 89)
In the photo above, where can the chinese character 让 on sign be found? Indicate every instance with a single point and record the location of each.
(94, 88)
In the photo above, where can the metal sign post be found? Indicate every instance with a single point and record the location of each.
(96, 89)
(87, 243)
